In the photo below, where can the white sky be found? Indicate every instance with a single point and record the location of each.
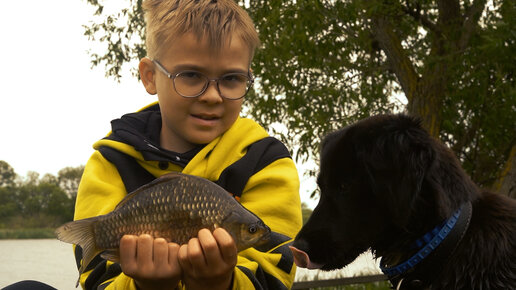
(53, 105)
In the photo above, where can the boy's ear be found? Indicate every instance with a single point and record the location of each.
(147, 75)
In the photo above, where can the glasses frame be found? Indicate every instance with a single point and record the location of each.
(216, 80)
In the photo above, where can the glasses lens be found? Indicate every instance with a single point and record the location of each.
(234, 86)
(190, 83)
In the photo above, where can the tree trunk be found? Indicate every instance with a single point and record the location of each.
(427, 101)
(506, 184)
(424, 94)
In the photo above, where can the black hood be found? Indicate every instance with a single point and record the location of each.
(142, 131)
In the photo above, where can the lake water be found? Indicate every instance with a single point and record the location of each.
(52, 262)
(49, 261)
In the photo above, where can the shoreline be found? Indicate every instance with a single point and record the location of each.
(26, 233)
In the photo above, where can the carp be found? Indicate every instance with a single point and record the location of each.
(175, 207)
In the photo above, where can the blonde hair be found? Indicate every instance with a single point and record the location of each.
(217, 21)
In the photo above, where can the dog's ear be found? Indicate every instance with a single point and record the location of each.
(396, 159)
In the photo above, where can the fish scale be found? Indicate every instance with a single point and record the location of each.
(174, 207)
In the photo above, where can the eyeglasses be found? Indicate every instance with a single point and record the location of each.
(191, 84)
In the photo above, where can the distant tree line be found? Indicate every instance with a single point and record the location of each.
(46, 202)
(34, 202)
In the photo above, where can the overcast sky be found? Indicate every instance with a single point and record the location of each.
(53, 105)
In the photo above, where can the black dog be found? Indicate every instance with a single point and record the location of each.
(388, 186)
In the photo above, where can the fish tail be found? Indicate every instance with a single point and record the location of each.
(80, 232)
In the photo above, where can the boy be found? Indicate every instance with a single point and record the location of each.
(198, 64)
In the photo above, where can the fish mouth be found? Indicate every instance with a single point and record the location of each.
(263, 244)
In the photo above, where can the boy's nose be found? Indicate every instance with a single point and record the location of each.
(211, 94)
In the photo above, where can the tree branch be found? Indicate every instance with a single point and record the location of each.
(421, 18)
(471, 17)
(399, 61)
(466, 137)
(449, 11)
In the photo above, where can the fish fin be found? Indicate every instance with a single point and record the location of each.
(112, 255)
(80, 232)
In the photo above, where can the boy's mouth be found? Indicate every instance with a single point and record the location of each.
(207, 117)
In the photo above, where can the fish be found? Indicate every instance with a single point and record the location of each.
(175, 207)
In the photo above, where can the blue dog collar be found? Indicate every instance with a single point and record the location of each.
(432, 239)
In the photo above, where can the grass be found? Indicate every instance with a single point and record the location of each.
(383, 285)
(365, 265)
(38, 226)
(27, 233)
(380, 285)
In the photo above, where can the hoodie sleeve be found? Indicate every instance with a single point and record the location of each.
(273, 195)
(99, 192)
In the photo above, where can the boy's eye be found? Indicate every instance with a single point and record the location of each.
(190, 75)
(190, 82)
(234, 78)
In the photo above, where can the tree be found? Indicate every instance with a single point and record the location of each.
(325, 64)
(42, 202)
(69, 179)
(55, 202)
(7, 175)
(8, 205)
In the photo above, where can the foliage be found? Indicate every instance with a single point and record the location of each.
(124, 40)
(7, 174)
(69, 178)
(306, 212)
(36, 202)
(8, 204)
(325, 64)
(330, 63)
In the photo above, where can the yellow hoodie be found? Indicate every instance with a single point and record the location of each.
(271, 191)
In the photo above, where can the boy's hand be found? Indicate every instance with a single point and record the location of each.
(152, 263)
(209, 260)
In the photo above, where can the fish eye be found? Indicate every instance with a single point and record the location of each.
(252, 229)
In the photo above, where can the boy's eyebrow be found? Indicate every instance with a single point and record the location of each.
(183, 67)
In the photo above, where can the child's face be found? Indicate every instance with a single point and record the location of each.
(187, 122)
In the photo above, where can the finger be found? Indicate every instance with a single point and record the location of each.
(128, 254)
(226, 244)
(144, 250)
(182, 256)
(173, 259)
(209, 246)
(195, 253)
(173, 253)
(160, 253)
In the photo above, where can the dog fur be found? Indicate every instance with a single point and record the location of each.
(384, 183)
